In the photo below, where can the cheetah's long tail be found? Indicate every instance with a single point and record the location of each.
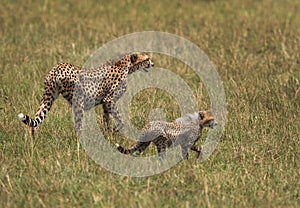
(29, 121)
(44, 107)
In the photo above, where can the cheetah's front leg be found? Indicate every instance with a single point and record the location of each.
(78, 110)
(111, 108)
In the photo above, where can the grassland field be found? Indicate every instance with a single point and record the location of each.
(255, 47)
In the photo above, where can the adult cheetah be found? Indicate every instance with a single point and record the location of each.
(86, 88)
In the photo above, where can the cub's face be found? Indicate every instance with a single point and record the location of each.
(139, 61)
(207, 119)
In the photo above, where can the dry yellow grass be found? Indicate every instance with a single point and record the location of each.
(255, 48)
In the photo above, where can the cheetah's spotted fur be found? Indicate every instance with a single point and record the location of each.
(86, 88)
(184, 131)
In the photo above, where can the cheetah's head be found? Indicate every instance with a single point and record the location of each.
(139, 61)
(207, 119)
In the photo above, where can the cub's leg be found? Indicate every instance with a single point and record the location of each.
(185, 152)
(196, 149)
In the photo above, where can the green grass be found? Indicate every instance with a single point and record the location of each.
(255, 46)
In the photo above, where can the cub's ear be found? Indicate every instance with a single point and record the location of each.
(133, 58)
(201, 115)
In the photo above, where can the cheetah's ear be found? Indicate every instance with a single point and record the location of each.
(133, 58)
(201, 115)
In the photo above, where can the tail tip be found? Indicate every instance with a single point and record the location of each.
(117, 145)
(21, 116)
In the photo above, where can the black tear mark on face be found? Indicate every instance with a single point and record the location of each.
(133, 58)
(201, 115)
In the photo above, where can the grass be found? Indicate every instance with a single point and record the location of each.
(255, 47)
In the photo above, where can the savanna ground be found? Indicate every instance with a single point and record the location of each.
(255, 46)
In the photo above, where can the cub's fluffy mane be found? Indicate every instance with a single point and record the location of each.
(189, 118)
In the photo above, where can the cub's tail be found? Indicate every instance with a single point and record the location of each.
(124, 150)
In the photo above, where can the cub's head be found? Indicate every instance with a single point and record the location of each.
(206, 119)
(139, 61)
